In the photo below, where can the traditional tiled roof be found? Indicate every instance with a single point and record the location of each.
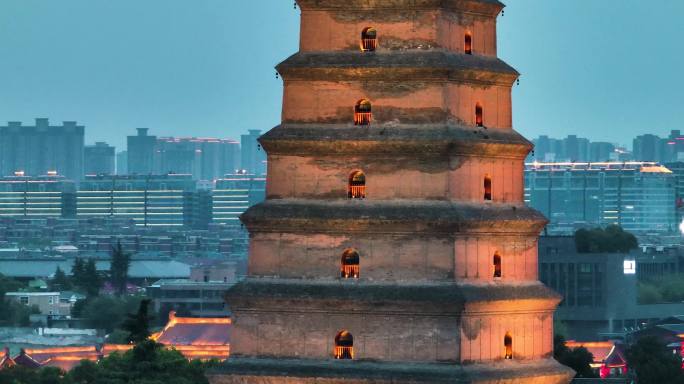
(63, 357)
(25, 360)
(203, 338)
(6, 360)
(606, 353)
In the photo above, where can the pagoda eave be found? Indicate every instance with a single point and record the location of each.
(483, 7)
(414, 66)
(396, 216)
(376, 140)
(241, 370)
(441, 299)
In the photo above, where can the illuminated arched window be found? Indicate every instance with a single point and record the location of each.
(362, 112)
(369, 39)
(468, 46)
(344, 345)
(350, 264)
(497, 265)
(478, 115)
(487, 188)
(508, 346)
(357, 185)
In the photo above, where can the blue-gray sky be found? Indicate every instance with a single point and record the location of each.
(604, 69)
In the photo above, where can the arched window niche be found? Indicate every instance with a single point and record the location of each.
(487, 188)
(344, 346)
(497, 265)
(479, 121)
(350, 264)
(468, 43)
(369, 39)
(363, 114)
(508, 346)
(357, 185)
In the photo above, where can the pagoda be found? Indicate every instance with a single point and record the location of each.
(394, 244)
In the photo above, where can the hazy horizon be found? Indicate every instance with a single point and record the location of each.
(601, 70)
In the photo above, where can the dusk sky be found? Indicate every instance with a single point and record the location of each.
(603, 69)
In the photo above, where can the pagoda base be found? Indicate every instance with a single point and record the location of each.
(238, 370)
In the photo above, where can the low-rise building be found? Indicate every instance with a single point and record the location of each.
(599, 290)
(48, 303)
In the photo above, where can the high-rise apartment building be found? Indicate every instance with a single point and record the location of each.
(122, 163)
(253, 156)
(99, 159)
(394, 231)
(203, 158)
(42, 148)
(140, 150)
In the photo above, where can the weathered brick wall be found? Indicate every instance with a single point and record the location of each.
(482, 336)
(390, 337)
(413, 102)
(397, 30)
(398, 257)
(458, 178)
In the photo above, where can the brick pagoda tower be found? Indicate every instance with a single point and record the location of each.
(394, 244)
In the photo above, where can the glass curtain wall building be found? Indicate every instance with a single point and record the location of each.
(639, 196)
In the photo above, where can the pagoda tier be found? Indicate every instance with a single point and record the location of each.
(394, 244)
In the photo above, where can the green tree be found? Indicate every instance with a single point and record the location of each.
(60, 281)
(138, 325)
(146, 363)
(108, 312)
(579, 359)
(118, 270)
(653, 363)
(85, 277)
(604, 240)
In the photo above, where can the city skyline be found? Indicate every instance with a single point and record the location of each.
(213, 81)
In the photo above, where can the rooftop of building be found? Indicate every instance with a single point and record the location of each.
(139, 269)
(640, 166)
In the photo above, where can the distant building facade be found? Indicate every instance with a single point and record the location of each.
(235, 193)
(202, 158)
(638, 196)
(599, 290)
(149, 200)
(99, 159)
(122, 163)
(253, 157)
(42, 148)
(140, 150)
(43, 196)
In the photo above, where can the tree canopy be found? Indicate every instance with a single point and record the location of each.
(118, 270)
(653, 363)
(579, 359)
(84, 277)
(609, 240)
(147, 363)
(138, 325)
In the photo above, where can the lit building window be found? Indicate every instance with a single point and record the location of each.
(497, 265)
(344, 345)
(487, 188)
(362, 112)
(478, 115)
(508, 346)
(357, 185)
(369, 39)
(468, 46)
(350, 264)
